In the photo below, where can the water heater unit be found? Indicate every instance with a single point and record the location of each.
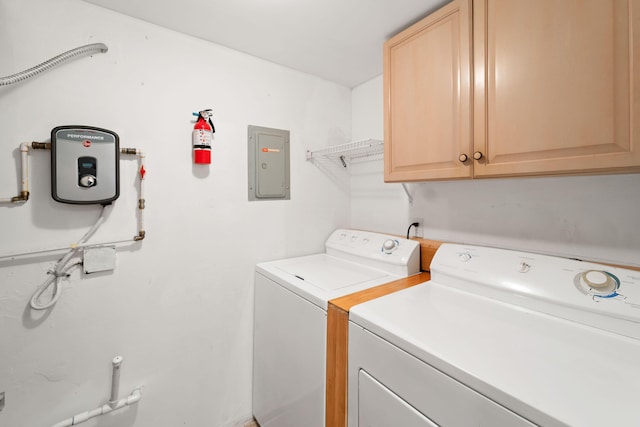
(84, 165)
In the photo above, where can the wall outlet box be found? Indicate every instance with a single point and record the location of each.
(417, 231)
(101, 258)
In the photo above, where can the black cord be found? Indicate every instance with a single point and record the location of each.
(415, 224)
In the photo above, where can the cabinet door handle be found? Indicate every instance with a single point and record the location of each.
(477, 155)
(463, 158)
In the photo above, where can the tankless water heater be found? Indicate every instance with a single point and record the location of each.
(84, 165)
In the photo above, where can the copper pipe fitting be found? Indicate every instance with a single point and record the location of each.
(23, 197)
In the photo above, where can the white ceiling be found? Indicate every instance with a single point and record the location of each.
(338, 40)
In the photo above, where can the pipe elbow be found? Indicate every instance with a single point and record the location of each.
(134, 396)
(140, 236)
(21, 198)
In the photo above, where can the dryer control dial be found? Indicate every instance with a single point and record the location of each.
(598, 282)
(595, 278)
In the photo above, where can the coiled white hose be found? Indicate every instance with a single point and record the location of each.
(61, 269)
(79, 51)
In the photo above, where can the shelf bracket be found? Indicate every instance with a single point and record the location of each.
(404, 187)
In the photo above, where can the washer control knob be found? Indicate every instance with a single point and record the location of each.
(596, 279)
(465, 256)
(389, 246)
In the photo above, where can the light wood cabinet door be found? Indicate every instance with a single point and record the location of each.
(427, 97)
(556, 86)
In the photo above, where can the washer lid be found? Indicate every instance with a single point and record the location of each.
(321, 277)
(529, 362)
(328, 273)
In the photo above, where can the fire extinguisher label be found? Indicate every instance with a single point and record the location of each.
(201, 138)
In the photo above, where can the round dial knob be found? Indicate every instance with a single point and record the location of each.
(477, 155)
(595, 279)
(389, 245)
(597, 283)
(463, 158)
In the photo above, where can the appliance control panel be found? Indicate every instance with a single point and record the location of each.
(581, 291)
(390, 253)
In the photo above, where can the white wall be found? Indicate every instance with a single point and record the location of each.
(374, 204)
(178, 306)
(590, 217)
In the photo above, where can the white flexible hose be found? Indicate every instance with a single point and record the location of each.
(82, 50)
(61, 269)
(51, 280)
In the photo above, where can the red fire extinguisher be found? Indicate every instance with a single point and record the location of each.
(202, 137)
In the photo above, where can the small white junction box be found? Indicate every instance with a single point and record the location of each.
(100, 258)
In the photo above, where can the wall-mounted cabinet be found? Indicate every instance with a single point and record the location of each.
(427, 93)
(555, 88)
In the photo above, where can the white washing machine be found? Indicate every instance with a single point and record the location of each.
(499, 338)
(290, 320)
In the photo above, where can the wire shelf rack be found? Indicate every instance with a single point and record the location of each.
(345, 154)
(349, 153)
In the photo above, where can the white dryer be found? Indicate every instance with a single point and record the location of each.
(290, 318)
(499, 338)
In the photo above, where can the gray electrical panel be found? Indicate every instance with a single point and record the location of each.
(268, 163)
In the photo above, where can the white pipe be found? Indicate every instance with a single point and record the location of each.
(24, 151)
(102, 410)
(24, 174)
(114, 403)
(115, 380)
(141, 202)
(141, 206)
(13, 256)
